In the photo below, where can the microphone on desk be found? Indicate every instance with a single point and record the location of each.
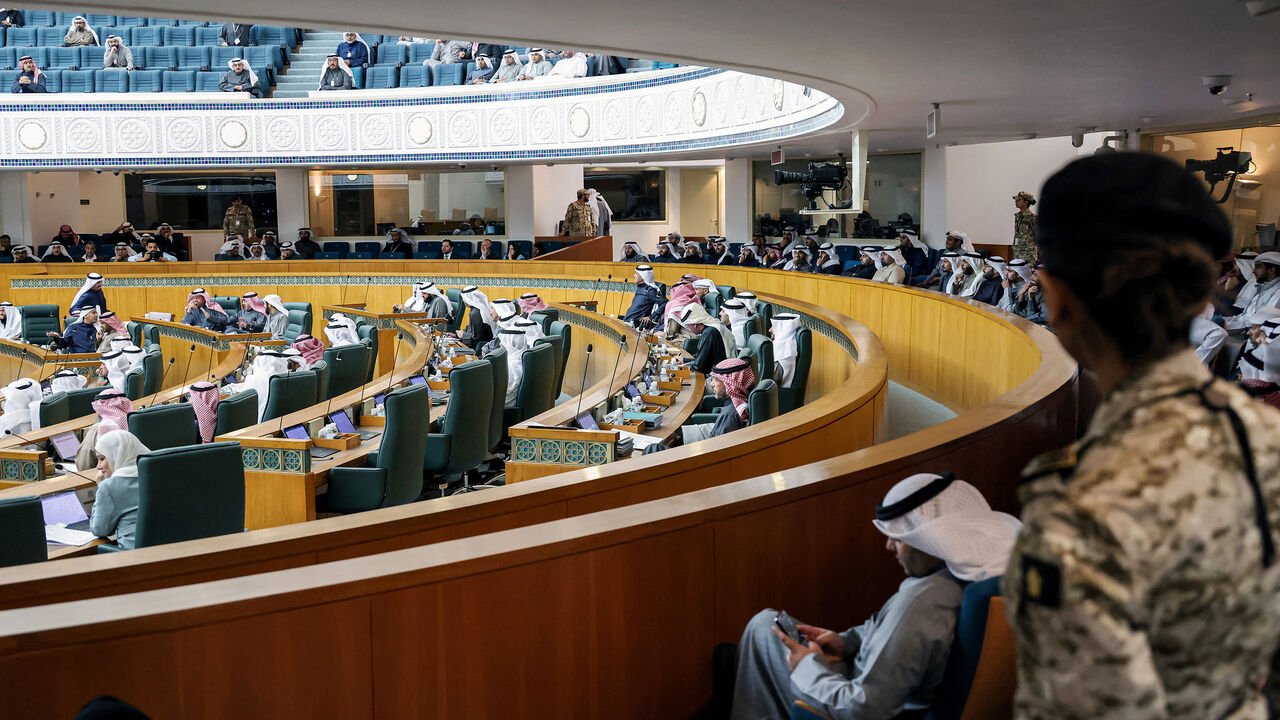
(337, 358)
(364, 301)
(585, 365)
(24, 439)
(594, 287)
(186, 371)
(163, 375)
(391, 378)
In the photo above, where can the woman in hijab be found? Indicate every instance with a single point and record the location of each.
(115, 505)
(112, 408)
(515, 343)
(277, 317)
(11, 329)
(481, 327)
(253, 313)
(18, 396)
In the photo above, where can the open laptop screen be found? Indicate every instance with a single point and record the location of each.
(587, 421)
(66, 445)
(63, 509)
(342, 421)
(297, 432)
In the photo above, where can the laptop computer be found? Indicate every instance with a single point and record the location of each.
(298, 432)
(66, 445)
(65, 509)
(417, 380)
(342, 421)
(632, 390)
(587, 421)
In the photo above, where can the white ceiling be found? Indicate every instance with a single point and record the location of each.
(1002, 69)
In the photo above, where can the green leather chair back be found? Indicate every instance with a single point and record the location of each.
(498, 373)
(368, 335)
(165, 426)
(152, 369)
(348, 368)
(135, 332)
(22, 532)
(760, 350)
(188, 493)
(536, 392)
(793, 397)
(755, 326)
(303, 306)
(557, 352)
(80, 402)
(765, 311)
(291, 392)
(321, 369)
(38, 320)
(54, 409)
(762, 402)
(404, 443)
(470, 407)
(228, 303)
(299, 324)
(454, 296)
(150, 334)
(545, 318)
(236, 412)
(134, 382)
(711, 303)
(726, 291)
(565, 331)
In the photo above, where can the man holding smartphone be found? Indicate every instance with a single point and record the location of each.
(943, 534)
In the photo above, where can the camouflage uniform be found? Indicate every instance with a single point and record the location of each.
(238, 221)
(1138, 586)
(1024, 236)
(579, 220)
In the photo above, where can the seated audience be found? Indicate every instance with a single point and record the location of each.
(29, 78)
(117, 55)
(747, 257)
(1016, 274)
(648, 302)
(124, 233)
(891, 270)
(336, 75)
(513, 252)
(481, 327)
(508, 68)
(692, 253)
(10, 17)
(10, 322)
(990, 287)
(571, 65)
(1030, 303)
(257, 252)
(287, 251)
(772, 258)
(398, 241)
(449, 52)
(735, 316)
(482, 72)
(236, 35)
(240, 78)
(446, 250)
(66, 236)
(486, 251)
(537, 66)
(968, 272)
(252, 317)
(943, 534)
(914, 251)
(91, 253)
(151, 251)
(731, 382)
(90, 294)
(112, 327)
(1263, 328)
(22, 254)
(719, 254)
(232, 249)
(6, 246)
(1260, 366)
(954, 243)
(1207, 336)
(270, 245)
(115, 504)
(165, 237)
(123, 253)
(55, 253)
(353, 51)
(666, 253)
(828, 263)
(1266, 273)
(80, 34)
(306, 245)
(799, 261)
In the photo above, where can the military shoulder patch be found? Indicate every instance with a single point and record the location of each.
(1041, 582)
(1061, 461)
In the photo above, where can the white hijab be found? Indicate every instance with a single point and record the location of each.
(12, 327)
(121, 448)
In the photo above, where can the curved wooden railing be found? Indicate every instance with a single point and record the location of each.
(817, 428)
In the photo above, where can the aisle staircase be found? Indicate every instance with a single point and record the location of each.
(305, 63)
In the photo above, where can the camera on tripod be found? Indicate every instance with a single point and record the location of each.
(819, 178)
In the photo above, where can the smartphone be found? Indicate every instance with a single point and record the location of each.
(788, 626)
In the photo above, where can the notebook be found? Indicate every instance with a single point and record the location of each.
(342, 421)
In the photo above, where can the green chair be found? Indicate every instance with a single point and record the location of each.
(22, 532)
(80, 402)
(711, 302)
(188, 493)
(458, 448)
(726, 291)
(321, 369)
(762, 404)
(498, 371)
(765, 311)
(557, 352)
(348, 368)
(759, 351)
(394, 472)
(134, 383)
(165, 426)
(150, 334)
(54, 409)
(236, 412)
(303, 306)
(368, 335)
(454, 296)
(565, 331)
(152, 369)
(545, 317)
(291, 392)
(536, 394)
(299, 324)
(755, 326)
(38, 320)
(228, 303)
(134, 330)
(793, 397)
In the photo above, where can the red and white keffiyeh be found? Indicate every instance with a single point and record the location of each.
(255, 303)
(530, 302)
(209, 302)
(114, 407)
(739, 379)
(204, 398)
(312, 349)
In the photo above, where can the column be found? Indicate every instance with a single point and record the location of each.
(737, 221)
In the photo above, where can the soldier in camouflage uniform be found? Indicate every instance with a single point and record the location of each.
(1024, 228)
(579, 219)
(238, 220)
(1144, 583)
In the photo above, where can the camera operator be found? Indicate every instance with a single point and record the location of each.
(151, 251)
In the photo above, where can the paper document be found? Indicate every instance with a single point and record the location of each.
(638, 442)
(65, 536)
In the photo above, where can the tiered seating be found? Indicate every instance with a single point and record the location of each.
(172, 51)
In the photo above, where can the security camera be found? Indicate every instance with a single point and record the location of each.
(98, 170)
(1077, 140)
(116, 173)
(462, 165)
(1217, 84)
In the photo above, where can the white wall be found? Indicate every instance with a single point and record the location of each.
(54, 200)
(735, 221)
(981, 181)
(554, 187)
(933, 196)
(15, 208)
(292, 207)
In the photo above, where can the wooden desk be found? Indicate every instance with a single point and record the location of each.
(386, 325)
(58, 552)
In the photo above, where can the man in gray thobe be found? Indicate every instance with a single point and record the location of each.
(943, 534)
(336, 76)
(240, 78)
(447, 52)
(537, 66)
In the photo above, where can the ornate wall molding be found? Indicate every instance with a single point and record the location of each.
(666, 111)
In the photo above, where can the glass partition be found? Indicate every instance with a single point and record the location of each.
(425, 202)
(198, 201)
